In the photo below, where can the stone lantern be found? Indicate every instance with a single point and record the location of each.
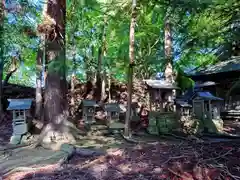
(20, 109)
(113, 111)
(89, 107)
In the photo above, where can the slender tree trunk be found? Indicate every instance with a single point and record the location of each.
(169, 72)
(39, 71)
(1, 87)
(101, 55)
(90, 75)
(72, 89)
(98, 77)
(109, 88)
(103, 86)
(2, 13)
(13, 68)
(73, 78)
(130, 68)
(168, 50)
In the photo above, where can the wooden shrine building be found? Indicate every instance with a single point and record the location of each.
(222, 80)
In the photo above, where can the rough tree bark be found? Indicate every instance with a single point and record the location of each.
(39, 71)
(109, 87)
(90, 75)
(13, 68)
(98, 75)
(1, 87)
(168, 50)
(73, 78)
(168, 46)
(130, 68)
(100, 85)
(1, 53)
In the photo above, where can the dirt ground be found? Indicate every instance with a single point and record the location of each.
(232, 127)
(151, 160)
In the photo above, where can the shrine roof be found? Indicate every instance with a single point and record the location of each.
(89, 103)
(160, 84)
(207, 96)
(19, 104)
(183, 103)
(112, 107)
(204, 84)
(232, 64)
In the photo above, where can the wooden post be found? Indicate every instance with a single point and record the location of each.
(150, 100)
(173, 99)
(24, 116)
(203, 114)
(13, 113)
(210, 109)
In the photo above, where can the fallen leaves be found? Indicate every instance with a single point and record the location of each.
(146, 161)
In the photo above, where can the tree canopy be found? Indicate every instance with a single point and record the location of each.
(203, 32)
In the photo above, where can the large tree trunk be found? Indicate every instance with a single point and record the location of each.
(130, 68)
(55, 131)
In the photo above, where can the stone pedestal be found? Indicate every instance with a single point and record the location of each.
(162, 123)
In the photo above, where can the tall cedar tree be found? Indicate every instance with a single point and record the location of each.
(130, 68)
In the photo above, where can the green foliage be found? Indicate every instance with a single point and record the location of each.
(17, 42)
(203, 33)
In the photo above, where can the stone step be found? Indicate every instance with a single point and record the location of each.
(98, 127)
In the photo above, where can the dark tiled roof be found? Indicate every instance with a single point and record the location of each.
(89, 103)
(232, 64)
(112, 107)
(160, 84)
(207, 96)
(191, 94)
(205, 84)
(183, 103)
(19, 104)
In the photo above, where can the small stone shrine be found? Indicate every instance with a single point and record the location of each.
(184, 108)
(207, 107)
(113, 111)
(162, 115)
(20, 109)
(89, 107)
(189, 125)
(161, 95)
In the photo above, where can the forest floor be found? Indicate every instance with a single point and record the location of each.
(153, 158)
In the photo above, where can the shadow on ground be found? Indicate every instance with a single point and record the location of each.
(150, 161)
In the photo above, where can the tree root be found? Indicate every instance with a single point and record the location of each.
(129, 139)
(53, 143)
(26, 169)
(30, 169)
(12, 147)
(95, 161)
(179, 175)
